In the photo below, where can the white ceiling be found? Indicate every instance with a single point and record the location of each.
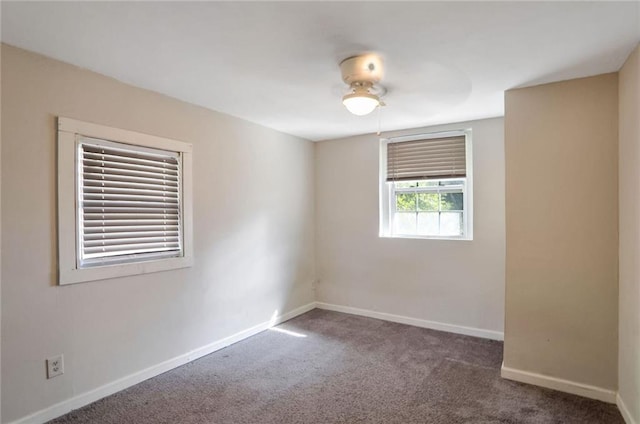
(276, 63)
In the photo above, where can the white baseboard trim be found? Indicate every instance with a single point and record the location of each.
(83, 399)
(625, 411)
(416, 322)
(567, 386)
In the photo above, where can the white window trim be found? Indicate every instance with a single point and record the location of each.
(68, 270)
(385, 193)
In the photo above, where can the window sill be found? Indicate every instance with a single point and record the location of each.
(82, 275)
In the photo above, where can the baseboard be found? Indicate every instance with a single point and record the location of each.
(416, 322)
(625, 411)
(83, 399)
(567, 386)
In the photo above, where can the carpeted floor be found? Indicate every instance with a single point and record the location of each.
(328, 367)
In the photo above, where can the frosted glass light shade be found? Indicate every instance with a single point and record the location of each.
(360, 103)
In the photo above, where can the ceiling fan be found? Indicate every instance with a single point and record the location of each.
(363, 73)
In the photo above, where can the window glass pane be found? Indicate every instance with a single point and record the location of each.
(405, 184)
(451, 201)
(428, 224)
(427, 183)
(404, 223)
(451, 183)
(428, 201)
(405, 201)
(451, 223)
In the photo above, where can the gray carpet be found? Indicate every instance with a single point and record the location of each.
(346, 369)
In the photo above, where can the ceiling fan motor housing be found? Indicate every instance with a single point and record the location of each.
(363, 68)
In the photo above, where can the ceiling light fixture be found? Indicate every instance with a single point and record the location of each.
(362, 73)
(360, 101)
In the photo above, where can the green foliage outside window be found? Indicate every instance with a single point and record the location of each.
(405, 201)
(451, 201)
(413, 202)
(428, 201)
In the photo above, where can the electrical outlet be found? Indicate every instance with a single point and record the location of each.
(55, 366)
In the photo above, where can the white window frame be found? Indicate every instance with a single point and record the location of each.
(387, 190)
(70, 133)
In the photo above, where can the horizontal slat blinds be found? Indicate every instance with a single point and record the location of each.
(425, 159)
(130, 203)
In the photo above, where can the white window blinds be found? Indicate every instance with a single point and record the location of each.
(129, 199)
(431, 158)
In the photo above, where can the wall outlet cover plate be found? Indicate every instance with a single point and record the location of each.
(55, 366)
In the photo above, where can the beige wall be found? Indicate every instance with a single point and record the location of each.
(253, 236)
(629, 180)
(0, 243)
(447, 281)
(562, 230)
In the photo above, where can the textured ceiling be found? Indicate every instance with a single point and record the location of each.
(276, 63)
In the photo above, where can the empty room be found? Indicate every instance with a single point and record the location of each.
(279, 212)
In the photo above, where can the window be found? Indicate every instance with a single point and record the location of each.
(124, 202)
(425, 186)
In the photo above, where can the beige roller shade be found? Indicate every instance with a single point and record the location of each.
(130, 203)
(425, 159)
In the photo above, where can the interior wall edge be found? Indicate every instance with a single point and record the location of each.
(629, 238)
(91, 396)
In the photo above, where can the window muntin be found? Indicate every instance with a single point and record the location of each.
(425, 186)
(129, 203)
